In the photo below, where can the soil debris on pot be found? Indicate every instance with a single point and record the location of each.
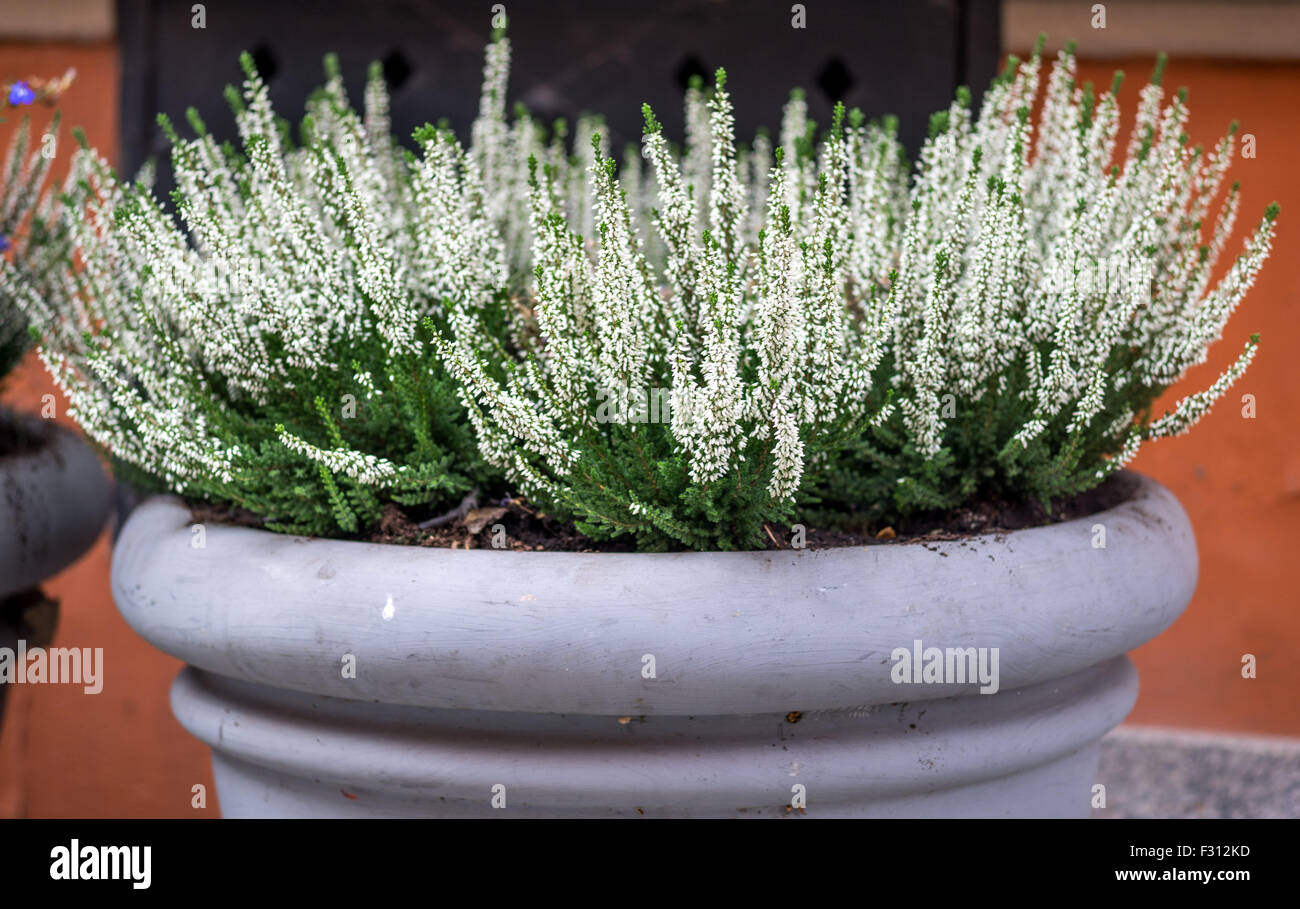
(523, 528)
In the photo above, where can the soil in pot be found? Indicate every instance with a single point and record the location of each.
(527, 529)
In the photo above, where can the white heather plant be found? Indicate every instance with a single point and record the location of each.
(273, 355)
(1047, 292)
(764, 348)
(683, 353)
(1000, 330)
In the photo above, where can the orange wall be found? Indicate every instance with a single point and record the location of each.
(120, 753)
(1239, 479)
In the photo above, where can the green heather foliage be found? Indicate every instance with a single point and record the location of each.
(681, 350)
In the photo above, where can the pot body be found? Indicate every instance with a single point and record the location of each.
(336, 678)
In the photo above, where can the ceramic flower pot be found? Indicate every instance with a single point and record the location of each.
(336, 678)
(53, 503)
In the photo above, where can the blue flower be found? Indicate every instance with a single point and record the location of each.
(21, 93)
(4, 243)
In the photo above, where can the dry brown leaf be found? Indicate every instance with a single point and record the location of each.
(478, 518)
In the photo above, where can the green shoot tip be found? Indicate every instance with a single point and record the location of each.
(1158, 74)
(651, 124)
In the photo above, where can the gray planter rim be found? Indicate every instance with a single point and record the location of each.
(728, 633)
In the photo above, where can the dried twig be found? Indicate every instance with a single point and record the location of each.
(772, 538)
(470, 501)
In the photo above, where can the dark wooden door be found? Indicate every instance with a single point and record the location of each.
(570, 56)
